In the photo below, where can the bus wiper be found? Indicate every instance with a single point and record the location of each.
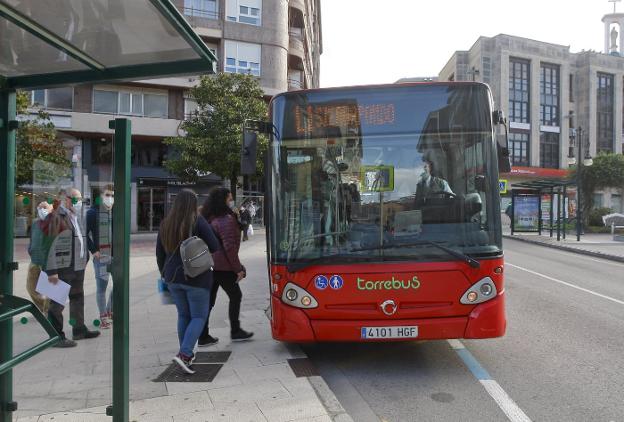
(471, 261)
(339, 259)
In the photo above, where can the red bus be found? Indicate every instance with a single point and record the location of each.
(384, 214)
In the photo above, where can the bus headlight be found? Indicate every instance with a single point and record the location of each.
(482, 291)
(292, 292)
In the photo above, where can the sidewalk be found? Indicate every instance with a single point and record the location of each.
(256, 382)
(600, 245)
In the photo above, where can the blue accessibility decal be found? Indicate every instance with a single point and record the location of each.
(336, 282)
(321, 282)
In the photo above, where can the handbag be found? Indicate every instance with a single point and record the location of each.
(196, 257)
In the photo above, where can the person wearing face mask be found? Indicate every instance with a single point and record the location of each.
(99, 241)
(430, 185)
(228, 270)
(67, 257)
(37, 257)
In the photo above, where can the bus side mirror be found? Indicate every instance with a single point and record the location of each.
(249, 152)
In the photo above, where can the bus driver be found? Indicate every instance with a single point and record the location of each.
(430, 185)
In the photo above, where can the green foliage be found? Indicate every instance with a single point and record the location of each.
(214, 134)
(607, 171)
(594, 217)
(36, 140)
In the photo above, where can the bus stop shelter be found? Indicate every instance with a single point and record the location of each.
(47, 44)
(534, 191)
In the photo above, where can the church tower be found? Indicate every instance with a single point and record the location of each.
(613, 33)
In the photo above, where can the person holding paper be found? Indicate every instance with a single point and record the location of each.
(66, 260)
(37, 257)
(99, 240)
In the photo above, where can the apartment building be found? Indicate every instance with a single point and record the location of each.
(277, 41)
(547, 92)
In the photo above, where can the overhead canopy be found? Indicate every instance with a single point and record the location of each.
(544, 184)
(47, 43)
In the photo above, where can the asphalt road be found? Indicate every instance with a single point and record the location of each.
(561, 360)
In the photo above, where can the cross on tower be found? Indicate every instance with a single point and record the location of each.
(615, 2)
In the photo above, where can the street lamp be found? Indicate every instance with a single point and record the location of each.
(576, 136)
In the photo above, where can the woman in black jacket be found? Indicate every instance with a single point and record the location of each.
(191, 295)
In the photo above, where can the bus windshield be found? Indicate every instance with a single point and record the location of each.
(379, 173)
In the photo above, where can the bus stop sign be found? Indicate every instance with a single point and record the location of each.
(502, 186)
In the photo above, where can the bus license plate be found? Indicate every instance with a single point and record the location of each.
(389, 332)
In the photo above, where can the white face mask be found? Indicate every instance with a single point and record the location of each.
(231, 204)
(108, 201)
(42, 213)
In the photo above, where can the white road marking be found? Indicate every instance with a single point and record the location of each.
(506, 404)
(565, 283)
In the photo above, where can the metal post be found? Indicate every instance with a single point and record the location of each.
(579, 163)
(565, 211)
(539, 212)
(559, 215)
(7, 196)
(121, 269)
(513, 208)
(552, 201)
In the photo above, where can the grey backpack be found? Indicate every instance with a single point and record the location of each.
(196, 257)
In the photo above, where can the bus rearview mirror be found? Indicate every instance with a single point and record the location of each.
(249, 152)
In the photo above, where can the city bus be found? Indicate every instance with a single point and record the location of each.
(383, 213)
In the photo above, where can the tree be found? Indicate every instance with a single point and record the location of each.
(214, 133)
(36, 140)
(607, 171)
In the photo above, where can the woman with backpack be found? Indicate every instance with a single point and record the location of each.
(190, 294)
(228, 270)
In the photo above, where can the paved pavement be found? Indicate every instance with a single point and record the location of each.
(560, 360)
(601, 245)
(255, 384)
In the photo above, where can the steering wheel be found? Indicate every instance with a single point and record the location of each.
(443, 192)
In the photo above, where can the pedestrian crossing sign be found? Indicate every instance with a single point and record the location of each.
(502, 186)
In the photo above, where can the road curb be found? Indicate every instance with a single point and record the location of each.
(610, 257)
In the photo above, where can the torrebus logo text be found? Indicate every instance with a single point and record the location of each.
(392, 284)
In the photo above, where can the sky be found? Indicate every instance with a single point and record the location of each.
(367, 42)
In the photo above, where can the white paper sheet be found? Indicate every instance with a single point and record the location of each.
(57, 292)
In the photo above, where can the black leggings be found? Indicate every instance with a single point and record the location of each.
(227, 281)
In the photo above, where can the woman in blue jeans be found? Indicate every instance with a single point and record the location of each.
(191, 295)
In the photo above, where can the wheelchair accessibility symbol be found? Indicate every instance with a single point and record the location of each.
(321, 282)
(336, 282)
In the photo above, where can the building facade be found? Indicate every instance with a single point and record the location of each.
(547, 93)
(277, 41)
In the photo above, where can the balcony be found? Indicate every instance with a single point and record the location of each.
(296, 44)
(202, 18)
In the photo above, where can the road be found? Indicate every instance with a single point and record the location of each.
(561, 359)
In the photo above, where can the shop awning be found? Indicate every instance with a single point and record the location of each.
(63, 42)
(544, 184)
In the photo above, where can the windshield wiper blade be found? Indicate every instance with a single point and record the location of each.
(470, 261)
(340, 259)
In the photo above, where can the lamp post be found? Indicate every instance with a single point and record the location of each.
(580, 162)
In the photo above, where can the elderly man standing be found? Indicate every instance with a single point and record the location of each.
(67, 259)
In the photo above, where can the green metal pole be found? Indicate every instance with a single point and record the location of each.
(121, 270)
(7, 196)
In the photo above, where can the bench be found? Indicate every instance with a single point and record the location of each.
(615, 221)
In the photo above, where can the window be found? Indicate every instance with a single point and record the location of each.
(549, 150)
(244, 11)
(549, 95)
(201, 8)
(156, 105)
(604, 112)
(104, 101)
(54, 98)
(616, 202)
(148, 154)
(242, 57)
(130, 103)
(519, 148)
(101, 151)
(190, 108)
(598, 200)
(519, 90)
(571, 88)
